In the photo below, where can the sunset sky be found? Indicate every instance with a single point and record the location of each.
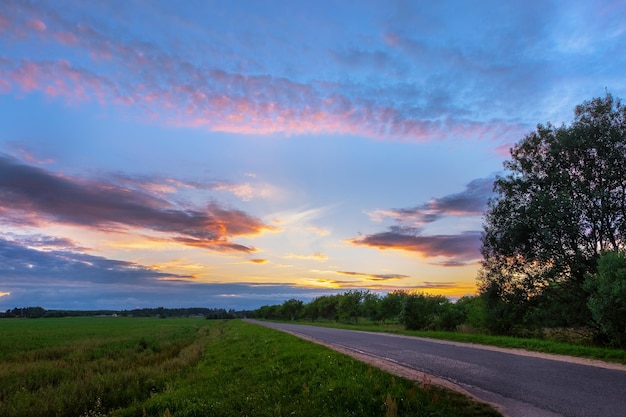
(241, 153)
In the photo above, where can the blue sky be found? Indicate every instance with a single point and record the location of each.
(241, 153)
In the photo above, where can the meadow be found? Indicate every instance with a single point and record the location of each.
(92, 367)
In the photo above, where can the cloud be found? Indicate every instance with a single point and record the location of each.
(182, 93)
(160, 186)
(374, 277)
(259, 261)
(69, 279)
(23, 265)
(315, 256)
(247, 191)
(36, 196)
(433, 287)
(458, 249)
(357, 58)
(28, 154)
(462, 248)
(44, 242)
(470, 202)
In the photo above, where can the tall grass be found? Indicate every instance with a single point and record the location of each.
(74, 367)
(92, 367)
(255, 371)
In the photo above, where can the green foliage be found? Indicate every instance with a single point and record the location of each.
(607, 299)
(324, 307)
(391, 305)
(560, 204)
(414, 310)
(349, 307)
(429, 312)
(474, 311)
(371, 306)
(86, 366)
(291, 309)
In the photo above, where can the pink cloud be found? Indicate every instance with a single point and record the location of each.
(460, 249)
(66, 38)
(5, 86)
(374, 277)
(37, 25)
(504, 150)
(35, 196)
(5, 24)
(472, 201)
(177, 92)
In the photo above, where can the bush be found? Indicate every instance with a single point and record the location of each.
(607, 297)
(429, 312)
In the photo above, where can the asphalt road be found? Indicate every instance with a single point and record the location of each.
(521, 385)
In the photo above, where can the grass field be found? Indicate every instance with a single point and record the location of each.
(95, 367)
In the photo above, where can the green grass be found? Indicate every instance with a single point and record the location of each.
(81, 366)
(192, 367)
(535, 345)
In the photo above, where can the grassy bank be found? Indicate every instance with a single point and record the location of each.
(191, 367)
(535, 345)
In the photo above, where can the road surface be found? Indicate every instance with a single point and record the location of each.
(518, 383)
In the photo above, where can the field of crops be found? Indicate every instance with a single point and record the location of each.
(194, 367)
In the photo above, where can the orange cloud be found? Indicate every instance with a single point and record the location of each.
(315, 256)
(374, 277)
(450, 289)
(32, 194)
(461, 249)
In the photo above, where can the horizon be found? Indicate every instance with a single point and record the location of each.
(235, 155)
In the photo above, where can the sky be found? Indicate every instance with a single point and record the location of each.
(234, 154)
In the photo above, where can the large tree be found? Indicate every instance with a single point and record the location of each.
(559, 205)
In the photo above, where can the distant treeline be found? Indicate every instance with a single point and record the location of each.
(161, 312)
(414, 310)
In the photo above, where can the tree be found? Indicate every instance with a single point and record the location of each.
(370, 305)
(560, 204)
(473, 311)
(607, 300)
(421, 311)
(291, 309)
(323, 307)
(350, 305)
(391, 305)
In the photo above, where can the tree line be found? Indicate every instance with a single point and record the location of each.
(413, 310)
(160, 312)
